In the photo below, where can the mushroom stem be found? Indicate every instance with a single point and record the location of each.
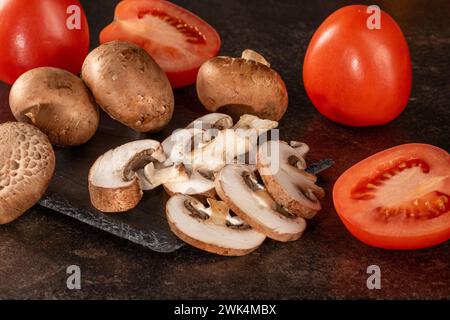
(249, 54)
(158, 176)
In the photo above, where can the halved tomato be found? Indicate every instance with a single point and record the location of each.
(398, 198)
(178, 40)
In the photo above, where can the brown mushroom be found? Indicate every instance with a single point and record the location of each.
(27, 164)
(238, 86)
(129, 85)
(58, 103)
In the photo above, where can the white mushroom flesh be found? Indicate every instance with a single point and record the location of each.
(110, 169)
(196, 221)
(288, 172)
(216, 120)
(255, 202)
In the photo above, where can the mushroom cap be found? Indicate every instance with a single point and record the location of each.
(129, 85)
(206, 232)
(237, 86)
(286, 179)
(114, 185)
(256, 208)
(58, 103)
(27, 164)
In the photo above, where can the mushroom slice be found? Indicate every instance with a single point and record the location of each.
(245, 85)
(203, 153)
(282, 169)
(217, 121)
(180, 144)
(211, 228)
(200, 183)
(27, 163)
(238, 186)
(114, 185)
(156, 176)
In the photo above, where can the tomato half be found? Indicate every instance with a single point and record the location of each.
(178, 40)
(355, 75)
(398, 198)
(36, 34)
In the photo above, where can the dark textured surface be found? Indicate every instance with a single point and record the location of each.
(327, 262)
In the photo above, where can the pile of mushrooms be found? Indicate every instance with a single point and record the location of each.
(221, 199)
(118, 76)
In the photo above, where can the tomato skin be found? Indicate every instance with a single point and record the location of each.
(34, 34)
(181, 73)
(356, 76)
(358, 216)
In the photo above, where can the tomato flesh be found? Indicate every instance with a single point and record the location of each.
(178, 40)
(398, 198)
(354, 75)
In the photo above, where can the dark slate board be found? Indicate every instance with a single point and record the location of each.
(68, 192)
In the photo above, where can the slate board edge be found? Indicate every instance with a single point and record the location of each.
(131, 234)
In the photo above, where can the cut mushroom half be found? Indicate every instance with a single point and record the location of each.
(239, 187)
(211, 228)
(282, 169)
(115, 185)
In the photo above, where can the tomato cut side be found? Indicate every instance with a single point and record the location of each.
(398, 198)
(177, 39)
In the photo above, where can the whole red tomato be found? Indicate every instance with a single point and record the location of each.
(41, 33)
(355, 75)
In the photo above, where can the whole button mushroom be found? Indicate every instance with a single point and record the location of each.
(129, 85)
(245, 85)
(27, 163)
(58, 103)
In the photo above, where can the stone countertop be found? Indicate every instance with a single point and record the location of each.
(327, 262)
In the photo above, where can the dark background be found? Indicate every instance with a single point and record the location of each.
(327, 262)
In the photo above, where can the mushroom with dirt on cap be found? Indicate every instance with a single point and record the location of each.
(129, 86)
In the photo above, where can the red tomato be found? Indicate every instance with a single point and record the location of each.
(178, 40)
(35, 34)
(398, 198)
(354, 75)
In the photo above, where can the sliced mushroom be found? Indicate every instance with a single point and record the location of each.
(238, 86)
(129, 85)
(282, 169)
(217, 121)
(211, 153)
(27, 163)
(238, 186)
(58, 103)
(211, 228)
(114, 185)
(178, 148)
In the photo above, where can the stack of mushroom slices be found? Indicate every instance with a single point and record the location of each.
(227, 193)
